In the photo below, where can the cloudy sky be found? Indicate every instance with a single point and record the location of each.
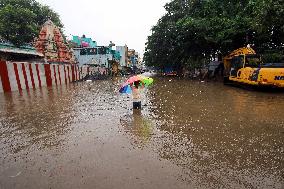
(121, 21)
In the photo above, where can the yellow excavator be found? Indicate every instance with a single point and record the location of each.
(243, 66)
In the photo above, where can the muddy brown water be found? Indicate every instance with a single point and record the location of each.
(190, 134)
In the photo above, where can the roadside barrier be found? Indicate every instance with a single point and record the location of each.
(17, 76)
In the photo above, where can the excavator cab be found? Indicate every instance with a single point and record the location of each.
(235, 61)
(243, 61)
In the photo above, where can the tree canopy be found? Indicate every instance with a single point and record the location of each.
(21, 20)
(196, 30)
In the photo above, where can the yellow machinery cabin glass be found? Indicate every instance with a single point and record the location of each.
(253, 61)
(236, 64)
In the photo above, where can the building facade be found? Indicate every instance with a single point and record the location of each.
(96, 56)
(132, 58)
(87, 52)
(123, 50)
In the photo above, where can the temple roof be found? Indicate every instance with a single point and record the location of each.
(24, 50)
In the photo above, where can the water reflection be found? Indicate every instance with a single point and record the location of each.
(139, 128)
(33, 119)
(228, 135)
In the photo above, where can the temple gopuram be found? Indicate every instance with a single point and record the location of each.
(51, 44)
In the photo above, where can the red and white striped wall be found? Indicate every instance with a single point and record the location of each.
(17, 76)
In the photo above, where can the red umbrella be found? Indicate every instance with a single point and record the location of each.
(125, 88)
(133, 79)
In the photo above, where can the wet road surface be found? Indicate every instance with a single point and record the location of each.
(188, 135)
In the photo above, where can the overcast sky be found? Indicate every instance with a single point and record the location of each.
(121, 21)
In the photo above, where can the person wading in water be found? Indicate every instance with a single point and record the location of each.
(136, 96)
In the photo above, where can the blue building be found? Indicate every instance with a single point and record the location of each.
(83, 41)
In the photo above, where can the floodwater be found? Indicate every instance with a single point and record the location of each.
(190, 134)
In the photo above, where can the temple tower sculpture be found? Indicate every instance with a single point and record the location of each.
(51, 43)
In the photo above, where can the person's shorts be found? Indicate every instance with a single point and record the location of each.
(136, 105)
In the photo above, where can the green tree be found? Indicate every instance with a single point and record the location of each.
(193, 31)
(21, 20)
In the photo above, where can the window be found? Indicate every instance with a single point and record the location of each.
(253, 61)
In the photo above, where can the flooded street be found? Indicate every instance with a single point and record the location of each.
(189, 135)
